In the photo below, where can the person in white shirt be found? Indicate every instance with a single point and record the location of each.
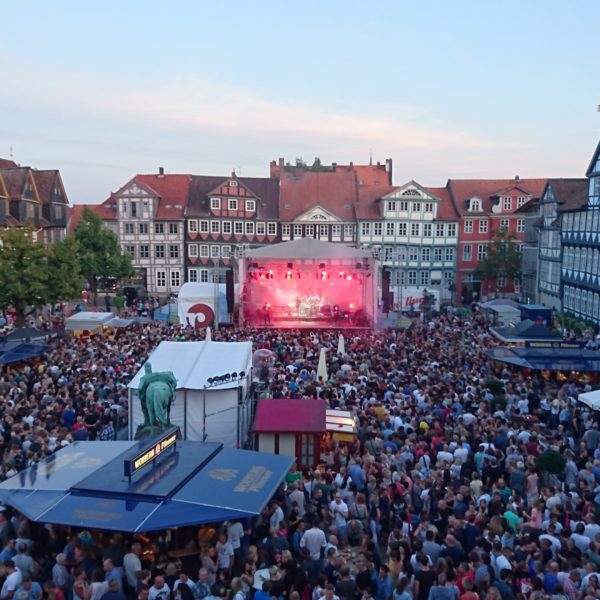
(235, 533)
(338, 510)
(12, 582)
(313, 540)
(160, 590)
(276, 516)
(132, 564)
(224, 552)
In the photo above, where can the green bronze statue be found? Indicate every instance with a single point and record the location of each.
(156, 392)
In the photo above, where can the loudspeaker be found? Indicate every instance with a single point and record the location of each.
(229, 289)
(385, 283)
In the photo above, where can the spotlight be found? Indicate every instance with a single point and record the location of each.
(210, 380)
(234, 375)
(288, 275)
(270, 274)
(323, 274)
(227, 377)
(349, 277)
(242, 374)
(342, 274)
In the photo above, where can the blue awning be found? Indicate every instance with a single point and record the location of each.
(84, 485)
(15, 351)
(550, 359)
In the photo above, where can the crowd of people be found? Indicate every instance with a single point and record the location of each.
(440, 497)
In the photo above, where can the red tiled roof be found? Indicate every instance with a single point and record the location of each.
(303, 190)
(368, 206)
(570, 193)
(173, 192)
(462, 190)
(75, 212)
(290, 415)
(369, 175)
(5, 163)
(446, 210)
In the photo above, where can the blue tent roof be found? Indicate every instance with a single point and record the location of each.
(84, 485)
(550, 359)
(15, 351)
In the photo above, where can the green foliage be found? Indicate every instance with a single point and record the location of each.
(100, 255)
(119, 302)
(503, 258)
(551, 461)
(64, 273)
(23, 271)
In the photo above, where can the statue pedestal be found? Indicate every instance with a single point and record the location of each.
(147, 431)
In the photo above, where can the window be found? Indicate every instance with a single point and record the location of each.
(365, 229)
(415, 229)
(173, 228)
(475, 205)
(193, 250)
(451, 229)
(203, 226)
(439, 230)
(427, 229)
(143, 228)
(215, 251)
(377, 228)
(161, 279)
(521, 200)
(297, 231)
(425, 254)
(238, 228)
(336, 231)
(204, 275)
(226, 226)
(481, 252)
(249, 228)
(449, 255)
(401, 253)
(144, 251)
(424, 279)
(233, 183)
(389, 228)
(501, 281)
(403, 206)
(391, 206)
(310, 231)
(483, 226)
(467, 252)
(128, 228)
(204, 251)
(175, 279)
(173, 251)
(388, 254)
(348, 232)
(192, 226)
(428, 207)
(413, 254)
(232, 204)
(286, 231)
(307, 449)
(193, 275)
(402, 229)
(215, 226)
(134, 209)
(159, 228)
(250, 205)
(323, 231)
(507, 203)
(159, 251)
(261, 228)
(448, 277)
(225, 251)
(468, 228)
(438, 255)
(503, 224)
(215, 203)
(271, 228)
(520, 225)
(130, 250)
(412, 278)
(416, 206)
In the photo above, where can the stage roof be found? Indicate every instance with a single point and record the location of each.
(550, 359)
(283, 415)
(193, 363)
(83, 485)
(308, 248)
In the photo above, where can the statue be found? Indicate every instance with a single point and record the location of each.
(156, 392)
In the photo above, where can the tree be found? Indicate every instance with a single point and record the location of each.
(23, 271)
(503, 259)
(99, 252)
(64, 271)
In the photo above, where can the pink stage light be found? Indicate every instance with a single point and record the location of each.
(323, 274)
(288, 275)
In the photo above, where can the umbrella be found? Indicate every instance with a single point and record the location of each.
(208, 337)
(341, 346)
(322, 368)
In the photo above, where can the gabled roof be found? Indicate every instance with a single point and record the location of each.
(368, 206)
(462, 190)
(198, 198)
(569, 193)
(370, 175)
(75, 212)
(172, 191)
(45, 182)
(15, 179)
(335, 191)
(446, 208)
(5, 163)
(595, 156)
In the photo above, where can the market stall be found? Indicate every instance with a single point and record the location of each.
(87, 323)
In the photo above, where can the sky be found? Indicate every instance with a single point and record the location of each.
(446, 88)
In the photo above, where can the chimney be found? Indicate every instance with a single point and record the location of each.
(161, 172)
(351, 165)
(334, 166)
(388, 168)
(281, 164)
(517, 178)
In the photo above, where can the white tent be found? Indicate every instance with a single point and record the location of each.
(87, 321)
(590, 399)
(213, 414)
(199, 305)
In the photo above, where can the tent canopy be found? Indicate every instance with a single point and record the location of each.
(548, 359)
(526, 330)
(84, 485)
(11, 352)
(87, 321)
(590, 399)
(26, 334)
(194, 362)
(119, 323)
(308, 248)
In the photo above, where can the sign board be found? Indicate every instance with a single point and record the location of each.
(555, 344)
(151, 451)
(412, 298)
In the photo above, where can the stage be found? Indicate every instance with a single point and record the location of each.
(308, 284)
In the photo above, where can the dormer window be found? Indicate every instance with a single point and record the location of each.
(475, 205)
(215, 203)
(507, 203)
(233, 183)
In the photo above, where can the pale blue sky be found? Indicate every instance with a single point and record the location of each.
(102, 90)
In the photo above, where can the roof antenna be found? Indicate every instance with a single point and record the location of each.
(370, 157)
(12, 156)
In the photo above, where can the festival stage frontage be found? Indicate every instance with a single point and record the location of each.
(308, 283)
